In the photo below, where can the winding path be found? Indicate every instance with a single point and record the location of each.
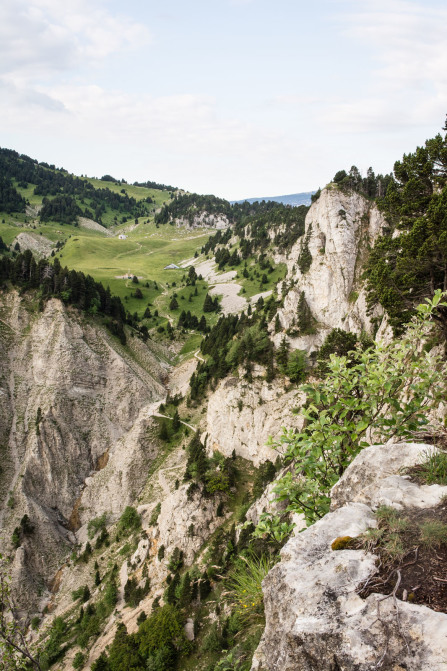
(162, 480)
(158, 414)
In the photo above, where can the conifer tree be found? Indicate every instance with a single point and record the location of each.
(304, 316)
(282, 354)
(277, 324)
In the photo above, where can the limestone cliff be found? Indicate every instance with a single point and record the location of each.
(74, 417)
(241, 416)
(315, 618)
(203, 220)
(326, 264)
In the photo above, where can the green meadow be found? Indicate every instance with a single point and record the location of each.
(137, 192)
(145, 253)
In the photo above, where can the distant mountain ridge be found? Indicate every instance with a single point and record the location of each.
(293, 199)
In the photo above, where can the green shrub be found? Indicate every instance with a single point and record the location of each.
(296, 365)
(96, 524)
(155, 513)
(129, 520)
(265, 474)
(388, 391)
(164, 628)
(78, 662)
(433, 533)
(176, 560)
(82, 593)
(213, 640)
(133, 594)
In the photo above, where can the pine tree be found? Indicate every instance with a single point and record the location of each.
(282, 354)
(185, 595)
(208, 305)
(305, 257)
(304, 316)
(204, 586)
(170, 596)
(176, 424)
(277, 324)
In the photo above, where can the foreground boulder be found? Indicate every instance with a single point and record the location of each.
(315, 620)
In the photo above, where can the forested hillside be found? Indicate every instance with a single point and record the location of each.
(65, 197)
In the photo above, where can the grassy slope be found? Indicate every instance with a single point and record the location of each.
(137, 192)
(13, 224)
(145, 253)
(252, 284)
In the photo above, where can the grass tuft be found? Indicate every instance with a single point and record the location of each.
(433, 533)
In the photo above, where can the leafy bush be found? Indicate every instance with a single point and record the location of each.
(96, 524)
(386, 391)
(129, 520)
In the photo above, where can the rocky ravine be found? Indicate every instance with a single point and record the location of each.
(314, 617)
(340, 227)
(73, 423)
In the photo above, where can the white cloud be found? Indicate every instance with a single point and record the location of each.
(42, 37)
(179, 139)
(409, 82)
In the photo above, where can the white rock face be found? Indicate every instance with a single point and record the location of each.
(314, 617)
(38, 244)
(93, 225)
(373, 478)
(204, 220)
(242, 416)
(73, 415)
(339, 228)
(176, 517)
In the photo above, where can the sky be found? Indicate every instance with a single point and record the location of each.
(239, 98)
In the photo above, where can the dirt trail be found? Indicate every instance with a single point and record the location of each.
(158, 414)
(165, 292)
(131, 251)
(223, 284)
(162, 480)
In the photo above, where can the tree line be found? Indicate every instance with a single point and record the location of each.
(71, 286)
(409, 261)
(70, 191)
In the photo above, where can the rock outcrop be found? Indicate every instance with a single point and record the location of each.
(74, 420)
(314, 617)
(203, 220)
(241, 416)
(38, 244)
(340, 228)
